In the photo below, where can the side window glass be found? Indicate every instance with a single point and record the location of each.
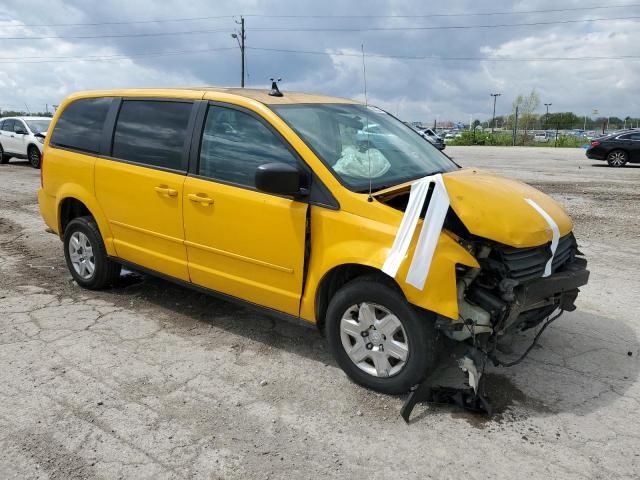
(8, 125)
(152, 133)
(635, 136)
(18, 126)
(80, 125)
(234, 144)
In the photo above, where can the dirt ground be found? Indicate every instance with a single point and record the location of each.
(149, 380)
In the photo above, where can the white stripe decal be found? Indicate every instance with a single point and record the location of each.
(429, 234)
(401, 243)
(555, 234)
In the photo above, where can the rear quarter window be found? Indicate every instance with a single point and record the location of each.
(153, 133)
(80, 125)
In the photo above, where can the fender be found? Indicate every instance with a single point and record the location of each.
(78, 192)
(341, 238)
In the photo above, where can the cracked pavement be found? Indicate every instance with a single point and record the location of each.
(150, 380)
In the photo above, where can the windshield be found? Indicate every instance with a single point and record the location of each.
(360, 143)
(38, 126)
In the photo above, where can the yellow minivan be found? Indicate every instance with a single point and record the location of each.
(313, 208)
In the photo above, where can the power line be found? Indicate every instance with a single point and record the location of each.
(327, 29)
(98, 58)
(431, 15)
(474, 59)
(123, 35)
(258, 15)
(132, 22)
(437, 27)
(72, 58)
(135, 54)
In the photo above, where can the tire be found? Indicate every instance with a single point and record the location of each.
(34, 156)
(4, 158)
(417, 333)
(617, 158)
(94, 270)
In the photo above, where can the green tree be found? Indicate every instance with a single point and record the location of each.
(527, 106)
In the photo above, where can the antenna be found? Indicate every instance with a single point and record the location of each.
(366, 118)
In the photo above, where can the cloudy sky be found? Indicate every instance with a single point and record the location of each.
(51, 48)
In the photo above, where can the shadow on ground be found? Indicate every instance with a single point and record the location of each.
(578, 360)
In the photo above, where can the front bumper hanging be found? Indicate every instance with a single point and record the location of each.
(561, 287)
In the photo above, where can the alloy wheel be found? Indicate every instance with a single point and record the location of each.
(34, 157)
(374, 339)
(617, 159)
(81, 255)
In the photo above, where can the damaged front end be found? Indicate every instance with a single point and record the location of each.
(508, 292)
(515, 286)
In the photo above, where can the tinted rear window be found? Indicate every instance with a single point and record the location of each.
(80, 125)
(153, 133)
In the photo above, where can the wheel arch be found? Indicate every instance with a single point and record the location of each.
(75, 203)
(33, 145)
(337, 277)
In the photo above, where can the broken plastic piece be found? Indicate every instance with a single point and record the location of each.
(465, 398)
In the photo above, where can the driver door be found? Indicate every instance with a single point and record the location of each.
(240, 241)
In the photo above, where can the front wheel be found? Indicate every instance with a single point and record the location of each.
(86, 257)
(617, 158)
(379, 339)
(35, 157)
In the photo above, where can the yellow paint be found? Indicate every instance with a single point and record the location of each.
(146, 223)
(245, 243)
(493, 207)
(250, 244)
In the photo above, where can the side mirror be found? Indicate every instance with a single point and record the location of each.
(281, 179)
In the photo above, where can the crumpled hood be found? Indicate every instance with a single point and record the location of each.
(495, 208)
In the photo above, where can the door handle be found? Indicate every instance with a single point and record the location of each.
(166, 191)
(200, 198)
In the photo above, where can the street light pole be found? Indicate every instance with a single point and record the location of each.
(546, 118)
(493, 121)
(241, 37)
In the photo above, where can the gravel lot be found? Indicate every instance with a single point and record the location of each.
(149, 380)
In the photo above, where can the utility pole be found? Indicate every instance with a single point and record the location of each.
(493, 122)
(515, 127)
(241, 37)
(546, 118)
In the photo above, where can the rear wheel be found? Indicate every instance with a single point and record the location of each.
(617, 158)
(86, 257)
(34, 156)
(4, 158)
(379, 339)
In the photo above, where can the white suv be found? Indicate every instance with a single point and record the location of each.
(23, 137)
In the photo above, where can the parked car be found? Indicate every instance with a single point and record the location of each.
(270, 201)
(432, 137)
(23, 137)
(617, 149)
(541, 137)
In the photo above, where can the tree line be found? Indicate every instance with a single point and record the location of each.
(530, 119)
(17, 113)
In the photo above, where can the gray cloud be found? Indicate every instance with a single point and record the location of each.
(416, 89)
